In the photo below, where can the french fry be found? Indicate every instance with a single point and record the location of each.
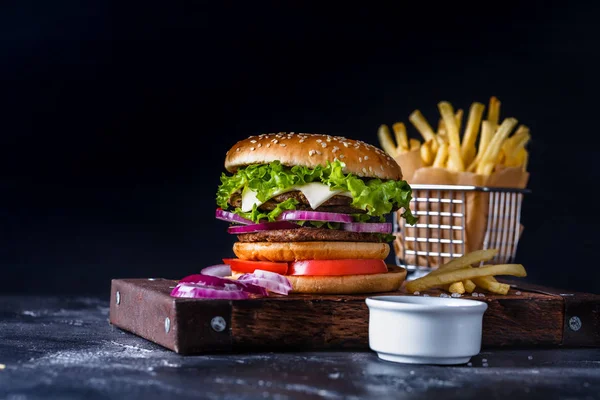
(517, 145)
(486, 168)
(441, 156)
(448, 277)
(441, 127)
(414, 144)
(427, 152)
(447, 113)
(494, 111)
(491, 153)
(525, 159)
(510, 143)
(419, 122)
(490, 284)
(455, 162)
(459, 117)
(442, 137)
(487, 132)
(401, 137)
(385, 139)
(469, 285)
(456, 287)
(467, 149)
(466, 260)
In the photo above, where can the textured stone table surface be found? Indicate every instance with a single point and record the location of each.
(65, 348)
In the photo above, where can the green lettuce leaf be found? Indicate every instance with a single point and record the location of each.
(375, 196)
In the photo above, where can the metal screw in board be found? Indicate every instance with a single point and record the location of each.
(167, 325)
(575, 323)
(118, 296)
(218, 324)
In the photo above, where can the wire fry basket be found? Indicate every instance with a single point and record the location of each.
(456, 219)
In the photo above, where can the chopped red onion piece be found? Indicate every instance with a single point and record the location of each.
(220, 270)
(300, 215)
(197, 291)
(270, 285)
(215, 282)
(231, 217)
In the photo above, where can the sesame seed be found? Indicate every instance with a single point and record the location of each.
(345, 144)
(311, 153)
(238, 149)
(381, 166)
(359, 159)
(282, 144)
(260, 144)
(268, 144)
(318, 152)
(251, 148)
(366, 158)
(253, 141)
(301, 141)
(324, 144)
(275, 141)
(364, 170)
(342, 156)
(319, 140)
(370, 169)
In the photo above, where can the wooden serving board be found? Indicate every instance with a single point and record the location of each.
(527, 316)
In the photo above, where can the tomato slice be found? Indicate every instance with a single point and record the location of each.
(337, 267)
(249, 267)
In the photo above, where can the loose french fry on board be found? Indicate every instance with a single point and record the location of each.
(467, 149)
(386, 141)
(456, 287)
(401, 136)
(446, 277)
(469, 285)
(419, 122)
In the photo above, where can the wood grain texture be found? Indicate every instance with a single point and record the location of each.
(318, 322)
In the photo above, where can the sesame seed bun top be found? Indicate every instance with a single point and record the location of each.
(311, 150)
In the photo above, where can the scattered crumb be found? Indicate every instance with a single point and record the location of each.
(475, 294)
(484, 364)
(417, 293)
(481, 295)
(425, 295)
(518, 293)
(530, 357)
(2, 366)
(469, 364)
(444, 295)
(484, 360)
(455, 295)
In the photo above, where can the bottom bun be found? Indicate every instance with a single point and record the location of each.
(294, 251)
(349, 284)
(346, 284)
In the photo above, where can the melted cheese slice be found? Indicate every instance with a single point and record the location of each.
(316, 194)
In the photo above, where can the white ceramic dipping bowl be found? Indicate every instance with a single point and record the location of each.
(425, 330)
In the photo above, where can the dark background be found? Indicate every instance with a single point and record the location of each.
(115, 119)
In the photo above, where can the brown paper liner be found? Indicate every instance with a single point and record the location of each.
(473, 204)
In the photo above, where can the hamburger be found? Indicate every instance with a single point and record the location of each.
(313, 207)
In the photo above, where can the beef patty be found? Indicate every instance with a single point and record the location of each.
(309, 235)
(336, 204)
